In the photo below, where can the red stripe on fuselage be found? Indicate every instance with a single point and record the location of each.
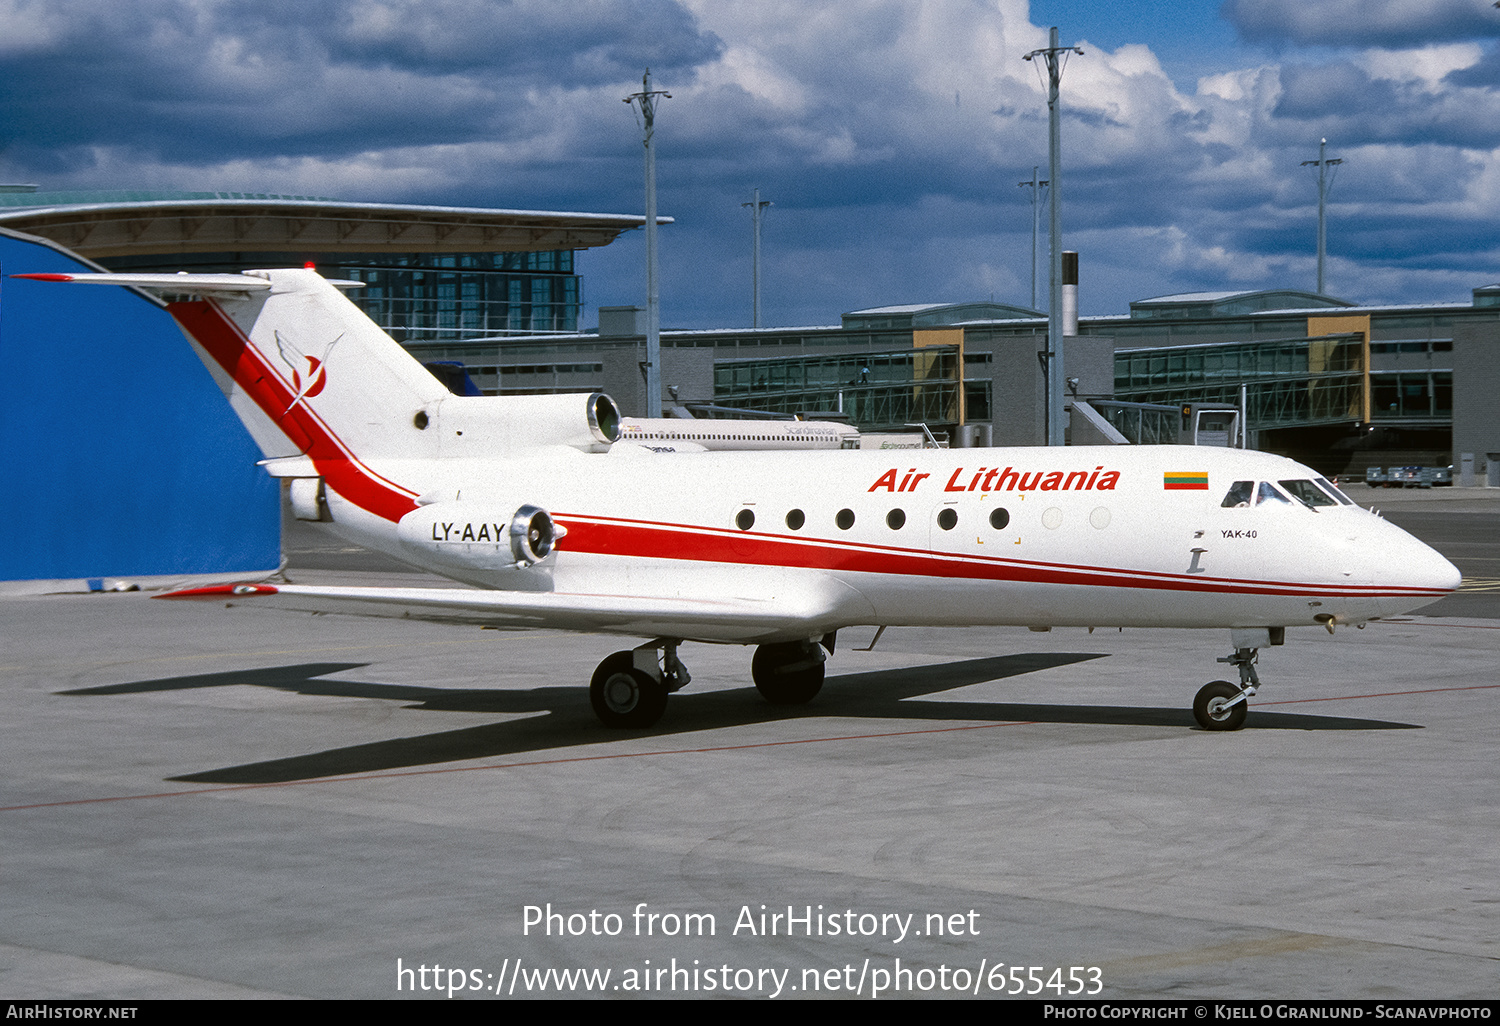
(340, 469)
(612, 536)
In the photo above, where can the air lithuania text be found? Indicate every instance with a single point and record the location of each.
(751, 921)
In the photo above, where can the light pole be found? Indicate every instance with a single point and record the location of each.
(1055, 57)
(647, 100)
(1323, 165)
(756, 205)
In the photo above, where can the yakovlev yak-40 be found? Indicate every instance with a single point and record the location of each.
(535, 504)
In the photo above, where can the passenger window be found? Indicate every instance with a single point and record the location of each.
(895, 519)
(1309, 494)
(1266, 493)
(744, 520)
(948, 518)
(845, 519)
(1240, 494)
(795, 519)
(999, 518)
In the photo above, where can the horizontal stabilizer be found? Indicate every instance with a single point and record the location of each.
(206, 284)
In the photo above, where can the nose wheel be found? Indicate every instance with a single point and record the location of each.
(1220, 705)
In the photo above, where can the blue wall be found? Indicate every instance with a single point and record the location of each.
(119, 456)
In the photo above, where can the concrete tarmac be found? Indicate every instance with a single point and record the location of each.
(201, 802)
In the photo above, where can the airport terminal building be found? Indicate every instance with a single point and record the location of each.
(1336, 385)
(1339, 386)
(439, 273)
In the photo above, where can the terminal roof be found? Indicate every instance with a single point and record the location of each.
(112, 224)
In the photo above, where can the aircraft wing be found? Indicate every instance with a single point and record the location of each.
(804, 612)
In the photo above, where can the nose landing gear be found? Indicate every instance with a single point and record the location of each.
(1220, 705)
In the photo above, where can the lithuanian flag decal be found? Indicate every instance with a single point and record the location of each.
(1189, 481)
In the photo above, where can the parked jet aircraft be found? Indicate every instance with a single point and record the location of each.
(527, 500)
(667, 434)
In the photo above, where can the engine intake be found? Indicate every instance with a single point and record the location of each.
(532, 535)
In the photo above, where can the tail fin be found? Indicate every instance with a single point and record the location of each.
(299, 359)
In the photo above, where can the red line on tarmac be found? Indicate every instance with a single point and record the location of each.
(511, 765)
(1383, 694)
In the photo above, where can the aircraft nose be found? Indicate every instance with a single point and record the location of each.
(1416, 573)
(1431, 569)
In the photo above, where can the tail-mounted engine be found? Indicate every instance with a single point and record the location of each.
(480, 536)
(532, 535)
(506, 426)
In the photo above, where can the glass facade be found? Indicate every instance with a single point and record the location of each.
(1412, 396)
(536, 378)
(427, 296)
(877, 391)
(1289, 382)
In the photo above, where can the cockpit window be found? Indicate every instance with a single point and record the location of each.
(1333, 489)
(1267, 493)
(1240, 494)
(1309, 494)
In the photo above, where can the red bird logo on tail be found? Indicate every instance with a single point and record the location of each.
(317, 375)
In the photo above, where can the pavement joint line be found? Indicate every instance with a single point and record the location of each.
(668, 751)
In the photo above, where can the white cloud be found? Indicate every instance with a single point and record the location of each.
(890, 133)
(1426, 67)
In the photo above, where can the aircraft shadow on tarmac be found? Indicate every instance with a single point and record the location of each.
(882, 694)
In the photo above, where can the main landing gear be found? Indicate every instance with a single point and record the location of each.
(630, 689)
(790, 673)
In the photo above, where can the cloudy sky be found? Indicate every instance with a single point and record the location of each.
(889, 134)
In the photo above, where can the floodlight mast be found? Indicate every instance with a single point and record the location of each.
(1055, 56)
(756, 205)
(1323, 165)
(647, 100)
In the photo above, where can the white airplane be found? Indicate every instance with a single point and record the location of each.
(527, 500)
(666, 434)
